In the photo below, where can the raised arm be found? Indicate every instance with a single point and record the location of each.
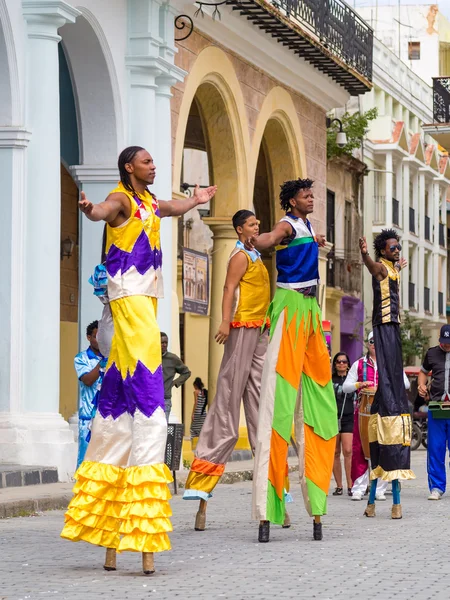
(376, 269)
(176, 208)
(112, 208)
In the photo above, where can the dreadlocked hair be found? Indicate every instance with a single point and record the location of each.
(290, 188)
(379, 242)
(126, 156)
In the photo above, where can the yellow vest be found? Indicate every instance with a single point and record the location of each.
(252, 296)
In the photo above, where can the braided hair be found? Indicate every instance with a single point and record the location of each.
(379, 242)
(290, 188)
(126, 156)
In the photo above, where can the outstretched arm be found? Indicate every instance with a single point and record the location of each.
(108, 211)
(176, 208)
(376, 269)
(264, 241)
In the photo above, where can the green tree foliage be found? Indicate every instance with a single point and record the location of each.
(414, 342)
(356, 126)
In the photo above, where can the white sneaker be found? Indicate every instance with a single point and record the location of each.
(435, 495)
(380, 496)
(357, 496)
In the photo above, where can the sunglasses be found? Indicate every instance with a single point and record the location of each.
(371, 342)
(342, 362)
(395, 247)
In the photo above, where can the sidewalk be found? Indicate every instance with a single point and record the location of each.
(30, 499)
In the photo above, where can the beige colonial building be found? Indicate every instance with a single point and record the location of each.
(241, 103)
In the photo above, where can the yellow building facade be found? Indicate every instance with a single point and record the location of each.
(257, 133)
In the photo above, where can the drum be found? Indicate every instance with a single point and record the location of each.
(367, 396)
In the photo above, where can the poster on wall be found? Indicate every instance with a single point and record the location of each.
(195, 282)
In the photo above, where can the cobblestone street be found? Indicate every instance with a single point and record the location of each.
(376, 558)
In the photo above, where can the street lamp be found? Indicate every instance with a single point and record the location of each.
(341, 136)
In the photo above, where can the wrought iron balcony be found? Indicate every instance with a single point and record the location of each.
(395, 212)
(327, 33)
(442, 235)
(441, 303)
(441, 99)
(412, 295)
(426, 299)
(379, 210)
(427, 228)
(412, 220)
(344, 274)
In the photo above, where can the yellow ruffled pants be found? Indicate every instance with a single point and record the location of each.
(121, 494)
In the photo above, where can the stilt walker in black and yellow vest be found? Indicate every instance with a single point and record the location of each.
(390, 421)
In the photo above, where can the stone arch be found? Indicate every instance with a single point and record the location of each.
(10, 104)
(278, 135)
(213, 84)
(96, 89)
(277, 155)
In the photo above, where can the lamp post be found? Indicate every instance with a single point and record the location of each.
(341, 136)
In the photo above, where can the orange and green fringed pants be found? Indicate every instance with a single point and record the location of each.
(296, 387)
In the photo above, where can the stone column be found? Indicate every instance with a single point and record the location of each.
(13, 143)
(97, 182)
(37, 434)
(224, 238)
(404, 218)
(388, 189)
(435, 220)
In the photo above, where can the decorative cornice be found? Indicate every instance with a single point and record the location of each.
(222, 227)
(51, 9)
(14, 137)
(94, 174)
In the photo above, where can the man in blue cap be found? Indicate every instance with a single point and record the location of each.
(437, 361)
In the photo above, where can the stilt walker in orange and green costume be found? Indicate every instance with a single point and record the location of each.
(121, 492)
(296, 381)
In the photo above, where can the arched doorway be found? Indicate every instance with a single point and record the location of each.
(275, 164)
(91, 133)
(210, 155)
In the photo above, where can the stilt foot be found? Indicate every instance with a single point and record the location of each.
(370, 510)
(110, 559)
(317, 531)
(287, 521)
(148, 563)
(264, 531)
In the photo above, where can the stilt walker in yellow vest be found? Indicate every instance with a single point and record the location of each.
(121, 492)
(245, 302)
(296, 381)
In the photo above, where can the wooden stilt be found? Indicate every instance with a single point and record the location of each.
(148, 563)
(110, 559)
(200, 518)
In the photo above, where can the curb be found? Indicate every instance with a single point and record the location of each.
(26, 508)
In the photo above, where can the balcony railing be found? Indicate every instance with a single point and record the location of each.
(426, 299)
(395, 212)
(412, 220)
(411, 295)
(379, 210)
(344, 274)
(442, 235)
(441, 99)
(441, 303)
(427, 228)
(327, 33)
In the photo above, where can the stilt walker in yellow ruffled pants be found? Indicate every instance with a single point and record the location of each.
(121, 492)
